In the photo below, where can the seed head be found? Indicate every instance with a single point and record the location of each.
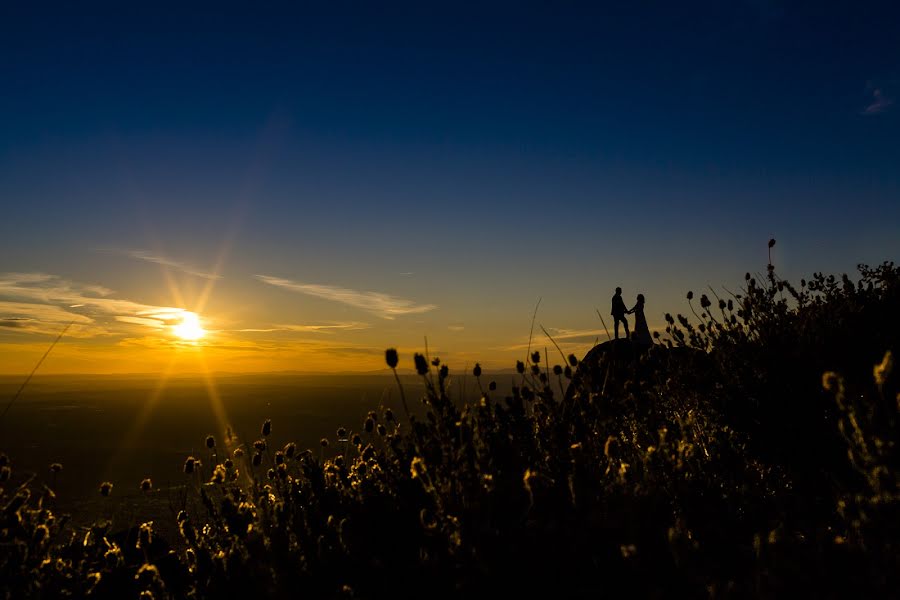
(492, 386)
(535, 357)
(421, 364)
(520, 367)
(690, 296)
(390, 356)
(105, 489)
(477, 370)
(883, 369)
(146, 485)
(573, 360)
(56, 467)
(267, 428)
(189, 464)
(210, 442)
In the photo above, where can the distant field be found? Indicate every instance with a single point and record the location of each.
(93, 426)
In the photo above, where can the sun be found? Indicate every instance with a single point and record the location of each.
(189, 328)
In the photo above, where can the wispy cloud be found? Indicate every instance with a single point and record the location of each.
(39, 303)
(568, 339)
(880, 103)
(377, 303)
(310, 328)
(158, 259)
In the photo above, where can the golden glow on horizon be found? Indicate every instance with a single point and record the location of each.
(189, 329)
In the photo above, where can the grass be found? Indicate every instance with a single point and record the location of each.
(751, 451)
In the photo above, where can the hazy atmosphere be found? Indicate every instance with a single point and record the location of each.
(317, 183)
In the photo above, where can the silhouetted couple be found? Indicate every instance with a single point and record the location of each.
(619, 310)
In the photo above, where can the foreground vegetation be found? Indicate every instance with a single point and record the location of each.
(752, 451)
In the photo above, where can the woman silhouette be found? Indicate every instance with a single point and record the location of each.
(641, 334)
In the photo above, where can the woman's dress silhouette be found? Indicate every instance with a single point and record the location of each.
(641, 331)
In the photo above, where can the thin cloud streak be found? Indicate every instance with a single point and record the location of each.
(880, 103)
(377, 303)
(318, 328)
(157, 259)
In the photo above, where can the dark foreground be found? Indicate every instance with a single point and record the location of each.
(753, 451)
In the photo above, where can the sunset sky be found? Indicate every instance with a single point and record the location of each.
(320, 183)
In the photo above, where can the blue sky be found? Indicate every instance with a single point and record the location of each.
(469, 158)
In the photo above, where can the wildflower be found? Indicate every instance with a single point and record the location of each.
(492, 386)
(771, 242)
(568, 372)
(704, 301)
(417, 467)
(218, 475)
(238, 452)
(146, 485)
(445, 370)
(831, 381)
(557, 370)
(690, 296)
(573, 360)
(40, 533)
(520, 367)
(56, 467)
(105, 488)
(113, 556)
(228, 463)
(477, 370)
(323, 442)
(342, 434)
(145, 535)
(279, 457)
(270, 473)
(535, 369)
(382, 430)
(189, 465)
(210, 442)
(290, 449)
(390, 355)
(260, 445)
(535, 357)
(147, 574)
(436, 361)
(369, 425)
(357, 440)
(267, 428)
(257, 459)
(389, 415)
(421, 364)
(883, 369)
(368, 452)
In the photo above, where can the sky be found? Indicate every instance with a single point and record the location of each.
(317, 182)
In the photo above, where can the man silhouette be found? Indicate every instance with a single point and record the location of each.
(618, 313)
